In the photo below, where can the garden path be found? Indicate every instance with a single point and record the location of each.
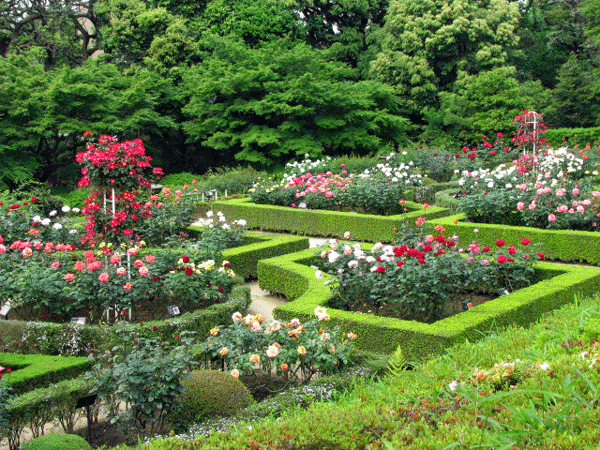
(264, 302)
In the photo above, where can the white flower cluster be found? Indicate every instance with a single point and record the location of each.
(500, 177)
(401, 173)
(296, 168)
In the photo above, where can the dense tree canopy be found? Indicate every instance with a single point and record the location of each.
(212, 82)
(274, 103)
(427, 45)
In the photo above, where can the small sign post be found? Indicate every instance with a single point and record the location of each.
(86, 402)
(173, 311)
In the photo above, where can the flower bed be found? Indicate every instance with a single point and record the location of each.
(292, 276)
(558, 245)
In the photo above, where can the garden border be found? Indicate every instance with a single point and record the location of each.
(313, 222)
(557, 245)
(291, 276)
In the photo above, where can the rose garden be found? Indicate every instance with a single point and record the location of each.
(453, 305)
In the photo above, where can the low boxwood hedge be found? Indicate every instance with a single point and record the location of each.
(33, 371)
(36, 408)
(312, 222)
(292, 276)
(558, 245)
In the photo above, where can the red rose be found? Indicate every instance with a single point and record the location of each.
(500, 242)
(512, 250)
(135, 342)
(526, 241)
(541, 255)
(501, 259)
(154, 328)
(186, 259)
(381, 269)
(400, 263)
(189, 271)
(33, 200)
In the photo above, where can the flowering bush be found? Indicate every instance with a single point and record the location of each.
(217, 233)
(422, 275)
(170, 213)
(117, 170)
(108, 163)
(377, 190)
(295, 350)
(144, 375)
(56, 283)
(550, 190)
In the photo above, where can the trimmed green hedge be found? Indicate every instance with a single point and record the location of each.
(312, 222)
(244, 260)
(38, 407)
(35, 371)
(291, 276)
(559, 137)
(557, 245)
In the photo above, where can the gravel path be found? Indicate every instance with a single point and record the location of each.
(264, 302)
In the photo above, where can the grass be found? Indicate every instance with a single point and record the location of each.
(533, 387)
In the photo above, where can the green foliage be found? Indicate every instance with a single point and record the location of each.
(268, 104)
(486, 102)
(254, 22)
(397, 363)
(573, 137)
(34, 371)
(65, 339)
(575, 97)
(234, 180)
(145, 374)
(177, 180)
(496, 206)
(5, 397)
(427, 46)
(207, 394)
(57, 442)
(364, 227)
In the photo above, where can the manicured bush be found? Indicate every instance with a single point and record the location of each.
(33, 371)
(57, 442)
(364, 227)
(208, 393)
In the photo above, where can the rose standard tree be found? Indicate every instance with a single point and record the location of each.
(118, 171)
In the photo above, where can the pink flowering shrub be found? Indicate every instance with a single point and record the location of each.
(117, 171)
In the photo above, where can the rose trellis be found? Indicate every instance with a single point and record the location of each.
(117, 172)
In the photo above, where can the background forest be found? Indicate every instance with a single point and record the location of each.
(228, 82)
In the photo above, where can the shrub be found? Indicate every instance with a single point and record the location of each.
(295, 350)
(57, 442)
(207, 393)
(144, 374)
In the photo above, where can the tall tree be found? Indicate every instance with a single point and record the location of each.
(273, 103)
(426, 45)
(65, 29)
(44, 113)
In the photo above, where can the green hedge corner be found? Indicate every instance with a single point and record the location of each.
(292, 276)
